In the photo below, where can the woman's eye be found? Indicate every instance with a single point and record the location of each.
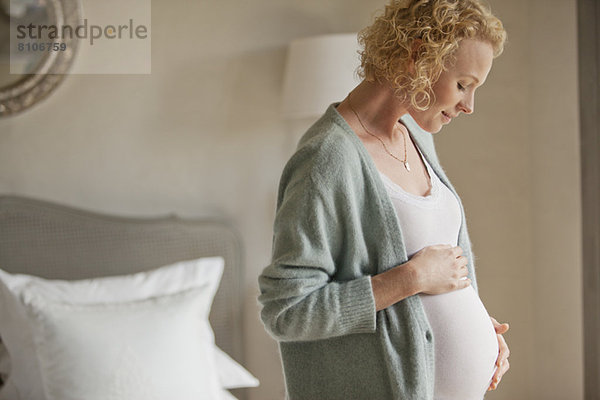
(460, 87)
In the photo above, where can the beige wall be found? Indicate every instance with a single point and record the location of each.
(556, 189)
(516, 164)
(487, 155)
(202, 135)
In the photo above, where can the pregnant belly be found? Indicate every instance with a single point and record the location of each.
(465, 343)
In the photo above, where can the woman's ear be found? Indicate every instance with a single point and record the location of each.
(414, 55)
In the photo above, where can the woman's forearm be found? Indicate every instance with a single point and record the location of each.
(394, 285)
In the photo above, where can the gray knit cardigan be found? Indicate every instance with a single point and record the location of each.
(335, 227)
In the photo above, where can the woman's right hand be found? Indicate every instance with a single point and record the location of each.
(433, 270)
(440, 268)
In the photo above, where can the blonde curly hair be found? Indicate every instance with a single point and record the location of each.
(428, 32)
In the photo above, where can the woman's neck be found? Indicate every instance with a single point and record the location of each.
(375, 106)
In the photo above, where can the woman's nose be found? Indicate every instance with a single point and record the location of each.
(467, 105)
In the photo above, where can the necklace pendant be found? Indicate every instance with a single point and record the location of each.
(407, 166)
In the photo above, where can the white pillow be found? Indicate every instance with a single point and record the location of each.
(138, 350)
(225, 395)
(231, 374)
(25, 378)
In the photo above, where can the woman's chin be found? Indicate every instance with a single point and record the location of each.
(432, 127)
(436, 130)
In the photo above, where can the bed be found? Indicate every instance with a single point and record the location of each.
(54, 241)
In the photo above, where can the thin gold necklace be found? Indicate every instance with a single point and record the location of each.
(405, 161)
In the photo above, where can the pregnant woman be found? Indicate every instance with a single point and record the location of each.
(371, 291)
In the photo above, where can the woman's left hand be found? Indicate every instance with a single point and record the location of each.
(503, 353)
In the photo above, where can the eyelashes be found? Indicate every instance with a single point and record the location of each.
(460, 87)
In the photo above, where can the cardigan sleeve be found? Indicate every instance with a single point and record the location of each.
(301, 298)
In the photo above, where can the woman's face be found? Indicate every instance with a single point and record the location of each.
(455, 89)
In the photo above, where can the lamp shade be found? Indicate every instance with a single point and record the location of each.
(319, 71)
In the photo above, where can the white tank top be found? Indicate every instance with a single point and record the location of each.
(466, 347)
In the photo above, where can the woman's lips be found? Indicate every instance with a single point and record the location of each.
(447, 118)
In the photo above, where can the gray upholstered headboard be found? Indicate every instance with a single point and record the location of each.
(62, 242)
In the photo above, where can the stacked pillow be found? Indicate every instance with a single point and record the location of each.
(144, 336)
